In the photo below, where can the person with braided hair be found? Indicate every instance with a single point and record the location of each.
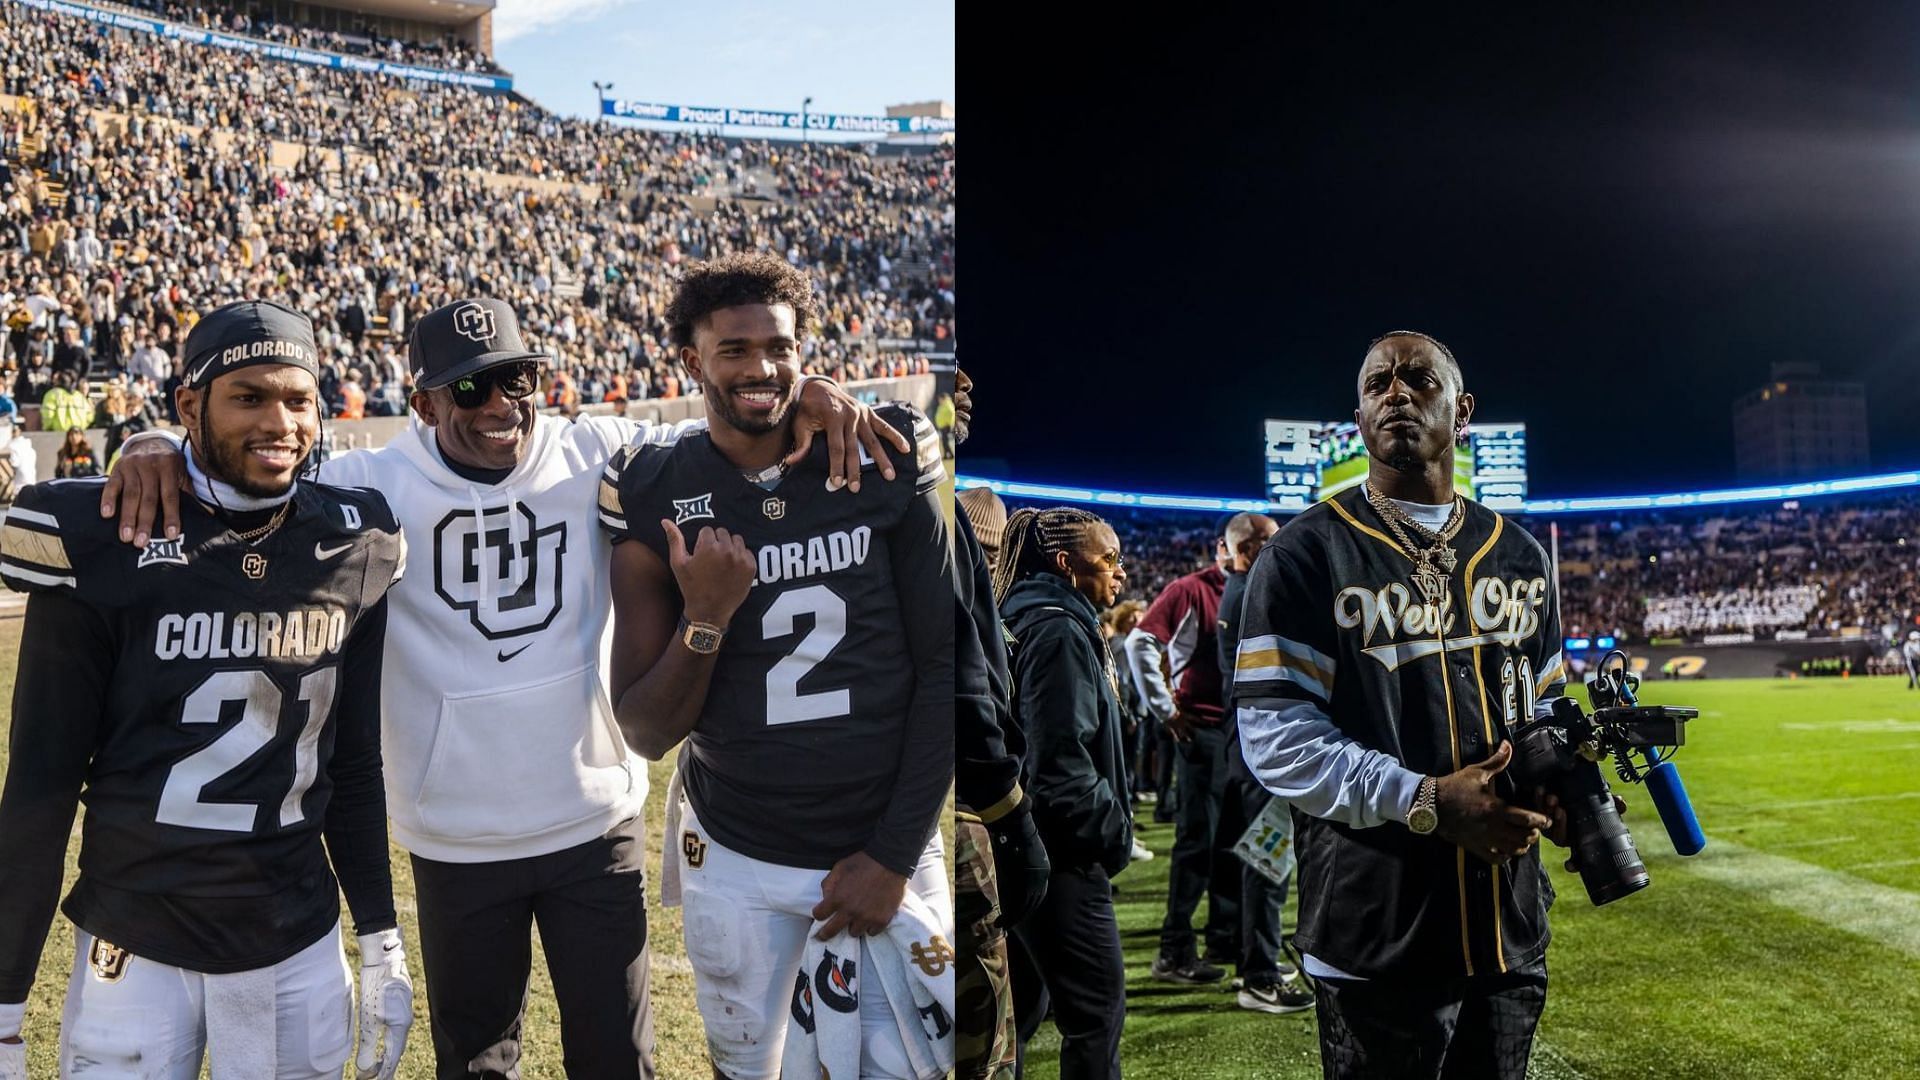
(1058, 568)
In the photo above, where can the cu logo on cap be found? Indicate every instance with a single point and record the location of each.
(473, 322)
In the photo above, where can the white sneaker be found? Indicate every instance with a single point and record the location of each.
(1140, 852)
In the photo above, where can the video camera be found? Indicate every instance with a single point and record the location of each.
(1561, 752)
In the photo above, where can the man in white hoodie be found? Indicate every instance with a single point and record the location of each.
(507, 779)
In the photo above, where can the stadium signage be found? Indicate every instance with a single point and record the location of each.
(314, 57)
(762, 118)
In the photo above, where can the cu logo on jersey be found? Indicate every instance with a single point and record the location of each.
(473, 322)
(504, 574)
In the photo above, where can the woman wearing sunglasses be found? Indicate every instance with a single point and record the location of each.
(1059, 568)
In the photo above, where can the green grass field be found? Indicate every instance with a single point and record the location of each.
(1789, 948)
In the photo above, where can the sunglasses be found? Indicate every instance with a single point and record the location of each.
(516, 381)
(1111, 560)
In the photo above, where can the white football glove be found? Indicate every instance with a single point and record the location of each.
(386, 1002)
(13, 1056)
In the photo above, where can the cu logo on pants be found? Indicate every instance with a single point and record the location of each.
(504, 574)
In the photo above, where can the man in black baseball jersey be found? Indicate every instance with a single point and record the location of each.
(1392, 637)
(802, 644)
(217, 698)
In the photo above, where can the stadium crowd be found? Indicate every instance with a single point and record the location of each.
(1820, 567)
(146, 179)
(248, 20)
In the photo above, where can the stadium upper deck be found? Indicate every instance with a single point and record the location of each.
(145, 178)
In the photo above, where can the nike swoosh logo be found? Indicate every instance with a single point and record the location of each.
(389, 946)
(506, 656)
(323, 552)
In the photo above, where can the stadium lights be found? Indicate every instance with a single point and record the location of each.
(1768, 493)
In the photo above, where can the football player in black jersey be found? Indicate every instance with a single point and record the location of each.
(802, 643)
(214, 700)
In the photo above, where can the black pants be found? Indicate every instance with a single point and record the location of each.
(1158, 747)
(1202, 863)
(476, 926)
(1068, 952)
(1260, 899)
(1475, 1027)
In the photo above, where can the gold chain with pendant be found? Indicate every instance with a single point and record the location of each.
(1434, 559)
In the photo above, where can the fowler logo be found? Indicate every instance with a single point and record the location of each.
(474, 322)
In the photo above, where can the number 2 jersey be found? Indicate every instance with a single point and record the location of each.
(828, 723)
(215, 704)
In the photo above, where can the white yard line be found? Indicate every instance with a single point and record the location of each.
(1822, 842)
(1882, 863)
(1877, 913)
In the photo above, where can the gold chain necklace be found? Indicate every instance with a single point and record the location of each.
(273, 523)
(1434, 561)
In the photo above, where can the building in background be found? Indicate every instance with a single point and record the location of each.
(1800, 426)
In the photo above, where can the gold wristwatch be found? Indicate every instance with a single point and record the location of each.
(700, 637)
(1422, 818)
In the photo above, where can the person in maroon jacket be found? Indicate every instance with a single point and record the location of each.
(1182, 623)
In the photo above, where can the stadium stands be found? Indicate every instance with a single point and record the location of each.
(145, 178)
(230, 18)
(1821, 568)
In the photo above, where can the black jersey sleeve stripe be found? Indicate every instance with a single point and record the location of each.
(21, 579)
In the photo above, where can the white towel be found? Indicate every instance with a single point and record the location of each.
(911, 964)
(915, 961)
(240, 1025)
(670, 855)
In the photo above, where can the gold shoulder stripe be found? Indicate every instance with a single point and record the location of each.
(610, 497)
(1370, 531)
(41, 549)
(1499, 523)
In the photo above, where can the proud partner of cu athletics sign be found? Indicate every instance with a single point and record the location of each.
(763, 118)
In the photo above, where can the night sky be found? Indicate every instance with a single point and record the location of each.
(1615, 222)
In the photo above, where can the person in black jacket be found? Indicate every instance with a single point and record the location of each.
(1058, 568)
(1267, 983)
(1000, 864)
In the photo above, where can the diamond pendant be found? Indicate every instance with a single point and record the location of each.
(1447, 559)
(1432, 583)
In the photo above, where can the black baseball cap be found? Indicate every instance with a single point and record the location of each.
(455, 340)
(244, 333)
